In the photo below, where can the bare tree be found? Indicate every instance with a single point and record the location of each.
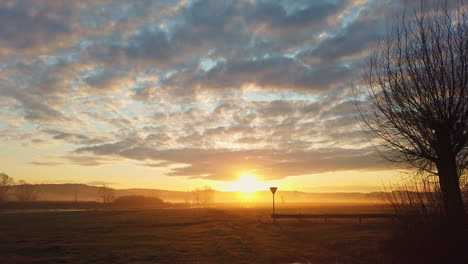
(26, 192)
(187, 197)
(196, 196)
(106, 194)
(76, 193)
(207, 195)
(5, 184)
(418, 86)
(202, 196)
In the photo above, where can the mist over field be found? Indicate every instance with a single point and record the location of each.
(82, 192)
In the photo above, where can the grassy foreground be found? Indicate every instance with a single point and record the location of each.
(184, 236)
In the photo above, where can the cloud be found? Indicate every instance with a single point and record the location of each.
(273, 18)
(274, 73)
(46, 164)
(30, 24)
(358, 37)
(225, 164)
(108, 79)
(75, 138)
(224, 29)
(32, 107)
(101, 183)
(354, 40)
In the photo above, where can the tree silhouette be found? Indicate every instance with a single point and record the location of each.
(5, 184)
(26, 192)
(203, 196)
(207, 195)
(418, 85)
(106, 194)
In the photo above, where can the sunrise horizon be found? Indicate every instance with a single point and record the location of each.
(372, 181)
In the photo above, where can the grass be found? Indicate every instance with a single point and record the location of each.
(185, 236)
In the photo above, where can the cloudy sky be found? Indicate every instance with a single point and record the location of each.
(176, 94)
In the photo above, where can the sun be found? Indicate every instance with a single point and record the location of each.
(247, 184)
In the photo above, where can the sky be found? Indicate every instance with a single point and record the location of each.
(179, 94)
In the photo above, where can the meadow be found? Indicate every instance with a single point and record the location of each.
(190, 235)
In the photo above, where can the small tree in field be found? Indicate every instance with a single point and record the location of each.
(196, 196)
(5, 184)
(76, 194)
(418, 85)
(207, 195)
(203, 196)
(26, 192)
(106, 194)
(187, 197)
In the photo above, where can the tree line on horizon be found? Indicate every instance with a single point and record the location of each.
(22, 191)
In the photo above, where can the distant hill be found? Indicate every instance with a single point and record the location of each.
(83, 192)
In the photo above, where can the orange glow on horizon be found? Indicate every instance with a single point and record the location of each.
(247, 184)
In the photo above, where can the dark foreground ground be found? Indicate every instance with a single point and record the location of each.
(185, 236)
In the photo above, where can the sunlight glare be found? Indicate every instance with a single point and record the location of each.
(247, 184)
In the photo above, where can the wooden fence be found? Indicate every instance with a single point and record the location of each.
(328, 216)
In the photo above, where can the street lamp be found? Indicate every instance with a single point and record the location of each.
(273, 190)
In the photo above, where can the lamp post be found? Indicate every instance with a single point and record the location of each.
(273, 190)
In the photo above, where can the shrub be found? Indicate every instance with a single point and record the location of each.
(138, 201)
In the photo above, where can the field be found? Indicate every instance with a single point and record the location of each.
(196, 235)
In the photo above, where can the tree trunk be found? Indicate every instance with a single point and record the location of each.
(450, 187)
(448, 176)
